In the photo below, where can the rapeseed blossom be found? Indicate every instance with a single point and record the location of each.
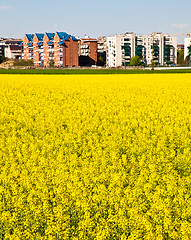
(95, 157)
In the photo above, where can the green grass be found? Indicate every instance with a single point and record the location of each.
(89, 71)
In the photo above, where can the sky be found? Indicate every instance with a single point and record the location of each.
(94, 18)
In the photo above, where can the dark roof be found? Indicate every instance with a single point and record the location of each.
(30, 36)
(40, 36)
(50, 35)
(15, 47)
(62, 34)
(65, 36)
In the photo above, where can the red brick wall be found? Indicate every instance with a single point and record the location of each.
(46, 51)
(25, 48)
(92, 43)
(71, 53)
(35, 51)
(93, 51)
(56, 51)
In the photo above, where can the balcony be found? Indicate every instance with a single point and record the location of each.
(84, 46)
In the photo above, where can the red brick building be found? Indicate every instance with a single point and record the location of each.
(65, 50)
(38, 56)
(88, 51)
(58, 48)
(28, 46)
(48, 44)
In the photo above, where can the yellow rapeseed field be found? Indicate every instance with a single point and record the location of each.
(96, 157)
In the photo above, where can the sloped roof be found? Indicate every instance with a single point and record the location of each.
(50, 35)
(30, 36)
(62, 34)
(40, 36)
(65, 36)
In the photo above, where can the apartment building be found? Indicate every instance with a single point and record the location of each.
(13, 52)
(28, 46)
(7, 48)
(187, 48)
(120, 49)
(59, 47)
(170, 49)
(48, 47)
(65, 50)
(38, 56)
(88, 51)
(101, 50)
(156, 47)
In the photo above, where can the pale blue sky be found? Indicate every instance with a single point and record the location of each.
(94, 18)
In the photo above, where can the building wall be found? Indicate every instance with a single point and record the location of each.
(187, 44)
(70, 53)
(46, 51)
(111, 57)
(117, 52)
(56, 51)
(88, 51)
(12, 53)
(66, 55)
(150, 48)
(35, 51)
(8, 53)
(101, 50)
(172, 42)
(93, 52)
(25, 48)
(63, 55)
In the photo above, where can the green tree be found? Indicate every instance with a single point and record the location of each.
(51, 63)
(135, 61)
(22, 62)
(187, 60)
(2, 59)
(100, 61)
(180, 57)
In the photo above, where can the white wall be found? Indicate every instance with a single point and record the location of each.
(187, 43)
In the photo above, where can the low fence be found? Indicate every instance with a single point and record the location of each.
(166, 68)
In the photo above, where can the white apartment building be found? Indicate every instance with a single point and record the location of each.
(156, 47)
(170, 49)
(187, 47)
(120, 49)
(13, 52)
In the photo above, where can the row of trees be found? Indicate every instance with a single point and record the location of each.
(135, 61)
(180, 58)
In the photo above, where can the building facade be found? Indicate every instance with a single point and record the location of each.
(187, 48)
(28, 47)
(59, 49)
(65, 50)
(9, 48)
(48, 47)
(88, 51)
(13, 52)
(101, 51)
(155, 48)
